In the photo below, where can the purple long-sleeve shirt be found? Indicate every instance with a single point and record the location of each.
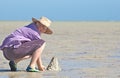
(23, 34)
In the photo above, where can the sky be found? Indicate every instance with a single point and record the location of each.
(61, 10)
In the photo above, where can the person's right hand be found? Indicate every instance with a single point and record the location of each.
(42, 68)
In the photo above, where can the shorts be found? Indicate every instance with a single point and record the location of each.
(27, 48)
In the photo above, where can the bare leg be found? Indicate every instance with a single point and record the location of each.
(36, 58)
(18, 60)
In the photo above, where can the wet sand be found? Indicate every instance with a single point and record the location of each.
(84, 50)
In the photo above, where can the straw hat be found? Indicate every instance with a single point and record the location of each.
(46, 22)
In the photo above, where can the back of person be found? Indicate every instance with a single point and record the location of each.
(26, 41)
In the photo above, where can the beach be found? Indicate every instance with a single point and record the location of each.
(84, 50)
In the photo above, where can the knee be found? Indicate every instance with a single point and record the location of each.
(44, 44)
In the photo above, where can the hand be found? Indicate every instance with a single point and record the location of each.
(42, 68)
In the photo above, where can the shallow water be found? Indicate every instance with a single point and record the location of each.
(84, 50)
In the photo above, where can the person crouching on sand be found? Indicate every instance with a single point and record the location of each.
(26, 42)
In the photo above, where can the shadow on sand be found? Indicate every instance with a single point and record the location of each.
(8, 70)
(5, 70)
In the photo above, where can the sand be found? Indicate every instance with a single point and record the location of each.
(84, 50)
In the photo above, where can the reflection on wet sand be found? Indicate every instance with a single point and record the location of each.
(20, 75)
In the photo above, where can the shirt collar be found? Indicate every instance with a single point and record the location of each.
(34, 27)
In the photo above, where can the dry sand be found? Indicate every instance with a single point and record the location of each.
(84, 50)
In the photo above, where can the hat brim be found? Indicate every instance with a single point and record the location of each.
(48, 31)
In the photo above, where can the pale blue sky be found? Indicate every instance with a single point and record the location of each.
(61, 10)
